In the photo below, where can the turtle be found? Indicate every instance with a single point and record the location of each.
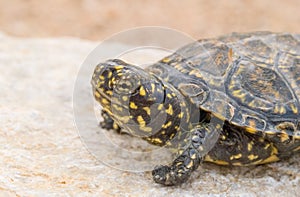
(231, 100)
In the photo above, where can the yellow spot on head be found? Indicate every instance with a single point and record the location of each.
(164, 126)
(141, 121)
(132, 105)
(142, 91)
(147, 110)
(170, 110)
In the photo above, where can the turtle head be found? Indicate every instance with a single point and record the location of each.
(138, 101)
(118, 85)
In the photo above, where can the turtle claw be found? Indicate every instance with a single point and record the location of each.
(170, 176)
(160, 174)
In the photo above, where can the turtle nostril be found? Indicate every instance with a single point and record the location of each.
(123, 85)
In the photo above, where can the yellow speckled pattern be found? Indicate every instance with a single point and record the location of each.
(249, 83)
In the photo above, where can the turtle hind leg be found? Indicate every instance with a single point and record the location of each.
(108, 123)
(287, 139)
(187, 162)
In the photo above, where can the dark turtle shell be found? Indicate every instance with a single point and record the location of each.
(250, 80)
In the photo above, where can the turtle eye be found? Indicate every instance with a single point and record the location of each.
(125, 85)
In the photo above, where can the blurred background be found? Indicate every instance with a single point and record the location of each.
(98, 19)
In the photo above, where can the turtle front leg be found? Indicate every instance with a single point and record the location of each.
(180, 170)
(108, 123)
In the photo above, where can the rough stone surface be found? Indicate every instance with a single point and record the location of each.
(41, 151)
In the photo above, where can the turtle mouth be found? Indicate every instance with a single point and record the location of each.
(110, 101)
